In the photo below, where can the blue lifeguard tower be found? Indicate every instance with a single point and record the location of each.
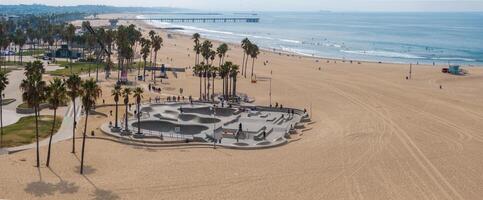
(454, 69)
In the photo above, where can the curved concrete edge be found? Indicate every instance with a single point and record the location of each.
(181, 143)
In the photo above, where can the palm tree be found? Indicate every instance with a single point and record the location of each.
(138, 94)
(20, 41)
(69, 34)
(213, 76)
(233, 74)
(116, 93)
(151, 36)
(245, 44)
(196, 40)
(33, 93)
(198, 70)
(157, 44)
(56, 95)
(90, 92)
(221, 51)
(3, 85)
(254, 51)
(223, 72)
(145, 50)
(125, 93)
(73, 84)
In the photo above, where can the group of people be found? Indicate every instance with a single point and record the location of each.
(155, 89)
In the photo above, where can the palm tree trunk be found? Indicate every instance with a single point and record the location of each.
(200, 86)
(204, 81)
(144, 70)
(1, 120)
(50, 139)
(125, 121)
(208, 87)
(246, 66)
(213, 89)
(229, 88)
(36, 110)
(139, 118)
(116, 124)
(234, 85)
(243, 63)
(74, 126)
(253, 64)
(84, 141)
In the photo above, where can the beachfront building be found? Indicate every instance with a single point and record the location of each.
(65, 52)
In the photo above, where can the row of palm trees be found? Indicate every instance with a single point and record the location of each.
(250, 50)
(226, 70)
(56, 93)
(137, 94)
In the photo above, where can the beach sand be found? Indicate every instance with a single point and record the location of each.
(375, 135)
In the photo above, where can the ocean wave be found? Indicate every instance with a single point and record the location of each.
(388, 54)
(290, 41)
(455, 59)
(303, 52)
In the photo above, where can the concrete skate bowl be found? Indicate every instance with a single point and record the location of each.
(201, 120)
(169, 127)
(223, 112)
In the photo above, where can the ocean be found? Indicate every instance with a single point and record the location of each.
(440, 38)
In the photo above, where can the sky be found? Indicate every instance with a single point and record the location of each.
(282, 5)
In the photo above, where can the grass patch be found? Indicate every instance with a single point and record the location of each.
(23, 132)
(77, 68)
(31, 52)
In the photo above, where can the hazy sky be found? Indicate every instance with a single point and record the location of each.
(285, 5)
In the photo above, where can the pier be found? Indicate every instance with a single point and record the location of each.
(195, 20)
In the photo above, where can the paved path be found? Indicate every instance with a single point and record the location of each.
(64, 133)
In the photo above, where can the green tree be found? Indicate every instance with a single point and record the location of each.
(74, 83)
(90, 92)
(254, 52)
(138, 95)
(221, 51)
(245, 44)
(116, 93)
(56, 95)
(196, 47)
(125, 93)
(33, 88)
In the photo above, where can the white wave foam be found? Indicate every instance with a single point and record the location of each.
(290, 41)
(388, 54)
(303, 52)
(455, 59)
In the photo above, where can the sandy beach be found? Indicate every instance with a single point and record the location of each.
(375, 135)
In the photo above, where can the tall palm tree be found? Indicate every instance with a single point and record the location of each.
(138, 95)
(3, 85)
(69, 34)
(56, 95)
(233, 74)
(245, 44)
(196, 40)
(221, 51)
(198, 70)
(116, 93)
(90, 92)
(224, 72)
(254, 52)
(213, 76)
(145, 50)
(73, 84)
(33, 88)
(21, 39)
(151, 36)
(157, 44)
(125, 93)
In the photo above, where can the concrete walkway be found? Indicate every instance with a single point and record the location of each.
(64, 133)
